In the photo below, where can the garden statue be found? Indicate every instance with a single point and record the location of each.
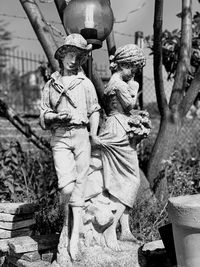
(101, 184)
(69, 103)
(113, 178)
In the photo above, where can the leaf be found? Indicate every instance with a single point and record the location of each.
(10, 186)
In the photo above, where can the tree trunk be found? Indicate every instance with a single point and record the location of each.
(172, 115)
(42, 30)
(170, 126)
(157, 59)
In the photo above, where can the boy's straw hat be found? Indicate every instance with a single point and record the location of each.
(73, 40)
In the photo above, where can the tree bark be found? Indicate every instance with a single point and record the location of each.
(190, 95)
(110, 41)
(157, 60)
(42, 30)
(183, 66)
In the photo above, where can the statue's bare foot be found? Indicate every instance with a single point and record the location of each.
(127, 236)
(73, 247)
(111, 238)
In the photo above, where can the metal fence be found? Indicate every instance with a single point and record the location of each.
(25, 62)
(190, 131)
(20, 60)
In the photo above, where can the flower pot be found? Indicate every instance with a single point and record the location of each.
(184, 213)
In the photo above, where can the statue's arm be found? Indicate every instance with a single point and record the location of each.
(93, 108)
(48, 116)
(46, 112)
(126, 94)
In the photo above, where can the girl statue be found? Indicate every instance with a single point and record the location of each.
(113, 178)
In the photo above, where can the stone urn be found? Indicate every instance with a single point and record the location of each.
(184, 213)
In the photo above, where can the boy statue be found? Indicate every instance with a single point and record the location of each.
(69, 105)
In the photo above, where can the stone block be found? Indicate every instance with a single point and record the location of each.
(19, 232)
(17, 208)
(24, 244)
(28, 256)
(49, 256)
(151, 246)
(5, 217)
(16, 225)
(22, 263)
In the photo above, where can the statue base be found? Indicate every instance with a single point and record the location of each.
(97, 256)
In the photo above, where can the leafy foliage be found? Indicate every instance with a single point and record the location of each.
(171, 48)
(29, 177)
(182, 172)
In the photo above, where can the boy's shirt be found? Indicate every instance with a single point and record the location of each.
(73, 94)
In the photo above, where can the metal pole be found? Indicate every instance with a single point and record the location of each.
(90, 65)
(139, 40)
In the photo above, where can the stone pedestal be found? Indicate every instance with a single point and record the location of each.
(184, 212)
(97, 256)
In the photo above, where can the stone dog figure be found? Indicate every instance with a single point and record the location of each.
(113, 178)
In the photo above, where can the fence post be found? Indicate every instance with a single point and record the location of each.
(23, 71)
(139, 40)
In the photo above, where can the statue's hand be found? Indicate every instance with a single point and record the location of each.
(95, 141)
(63, 116)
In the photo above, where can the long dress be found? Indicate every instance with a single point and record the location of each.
(120, 172)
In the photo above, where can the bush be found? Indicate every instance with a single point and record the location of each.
(30, 177)
(182, 171)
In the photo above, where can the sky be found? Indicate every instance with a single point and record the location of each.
(141, 20)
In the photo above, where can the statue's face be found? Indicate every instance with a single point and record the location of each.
(127, 72)
(71, 61)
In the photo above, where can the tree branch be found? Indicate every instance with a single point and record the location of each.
(42, 30)
(23, 127)
(183, 66)
(157, 62)
(190, 95)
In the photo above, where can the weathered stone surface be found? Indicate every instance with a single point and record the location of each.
(36, 243)
(105, 257)
(4, 245)
(16, 225)
(19, 232)
(5, 217)
(98, 256)
(17, 208)
(151, 246)
(28, 256)
(49, 256)
(22, 263)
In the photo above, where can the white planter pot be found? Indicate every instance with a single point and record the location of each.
(184, 213)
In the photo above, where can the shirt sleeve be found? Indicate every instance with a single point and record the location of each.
(45, 105)
(91, 97)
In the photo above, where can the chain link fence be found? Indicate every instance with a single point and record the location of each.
(190, 131)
